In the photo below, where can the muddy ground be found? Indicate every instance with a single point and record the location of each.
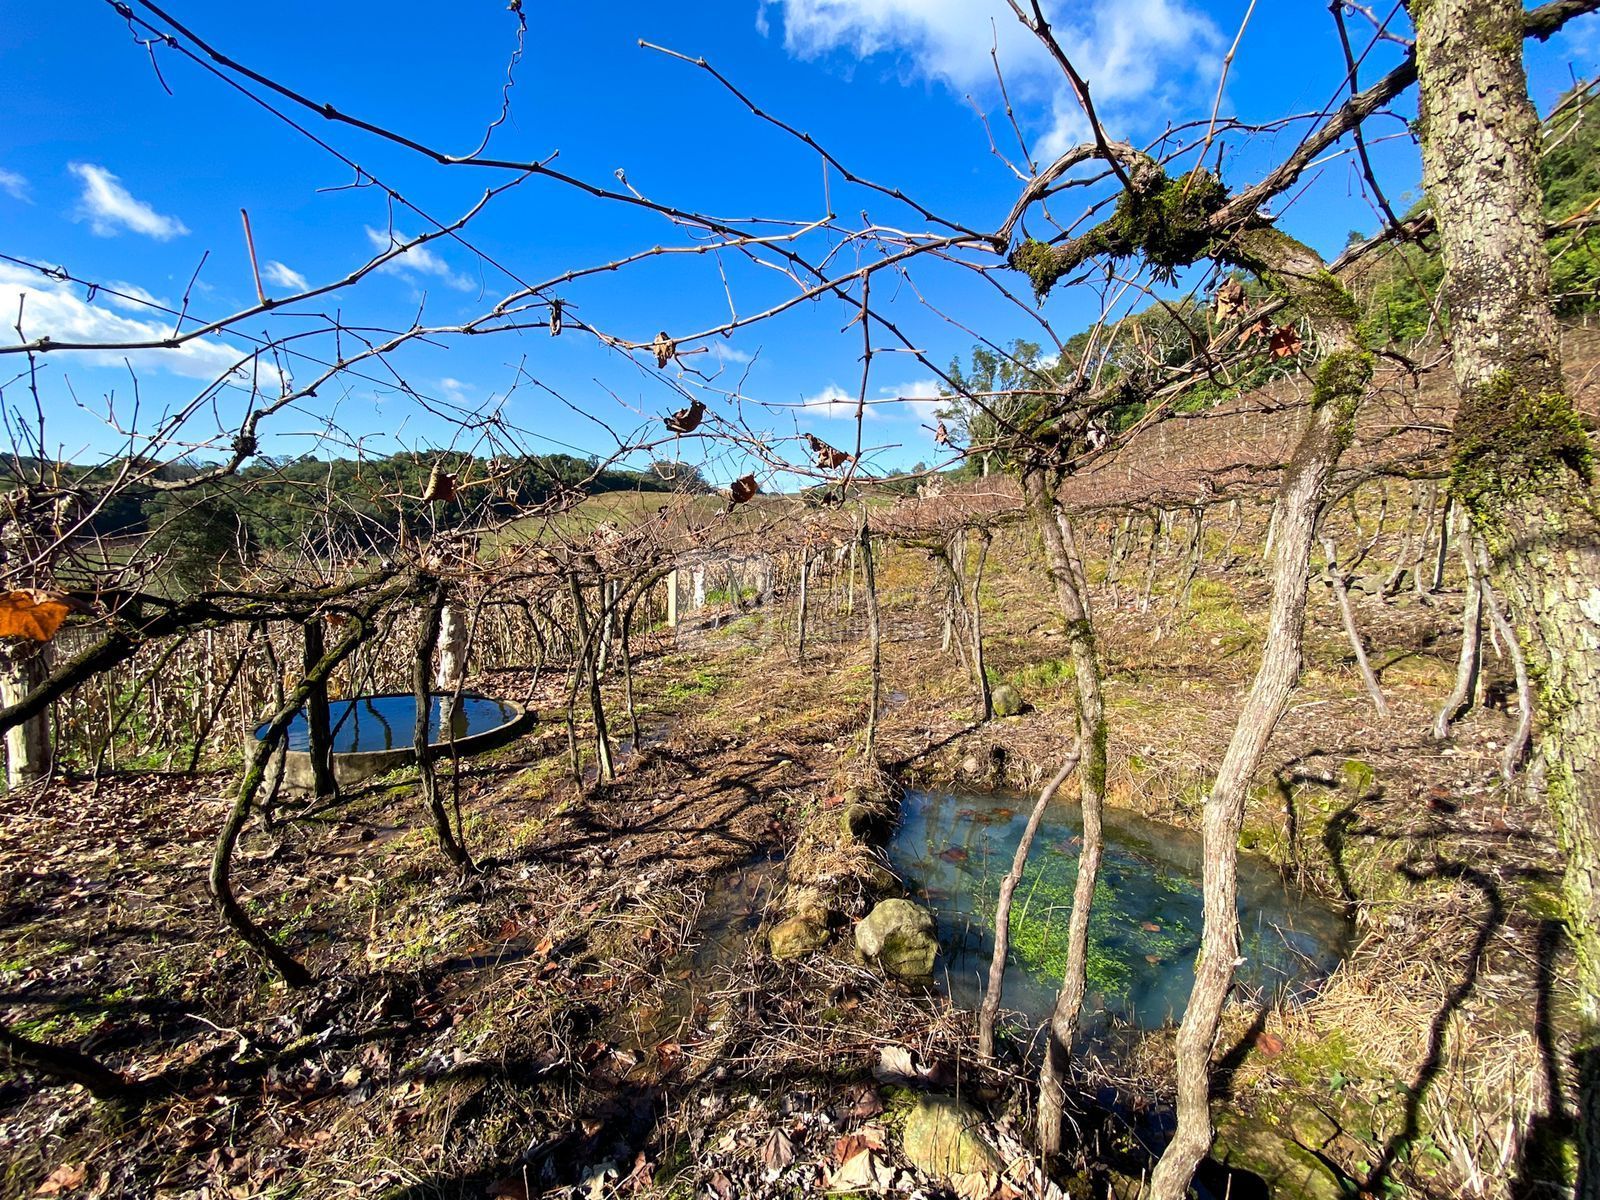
(595, 1008)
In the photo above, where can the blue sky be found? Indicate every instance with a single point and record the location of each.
(104, 172)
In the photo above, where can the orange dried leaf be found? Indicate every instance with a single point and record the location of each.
(67, 1177)
(32, 614)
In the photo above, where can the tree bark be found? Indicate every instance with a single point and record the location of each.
(452, 650)
(980, 671)
(421, 742)
(1066, 574)
(318, 723)
(1347, 614)
(24, 665)
(1522, 463)
(1469, 662)
(1442, 555)
(1194, 552)
(869, 585)
(801, 614)
(221, 876)
(1341, 382)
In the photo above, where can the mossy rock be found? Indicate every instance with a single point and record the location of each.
(797, 936)
(1287, 1167)
(1006, 700)
(943, 1138)
(899, 936)
(805, 928)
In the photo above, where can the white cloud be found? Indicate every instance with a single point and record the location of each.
(833, 403)
(919, 398)
(419, 260)
(454, 389)
(284, 277)
(110, 208)
(14, 185)
(59, 311)
(130, 297)
(725, 353)
(1138, 56)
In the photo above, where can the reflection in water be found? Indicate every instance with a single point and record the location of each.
(1145, 929)
(388, 722)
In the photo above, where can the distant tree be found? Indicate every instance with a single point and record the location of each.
(1001, 395)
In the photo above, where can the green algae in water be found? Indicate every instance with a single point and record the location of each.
(1145, 928)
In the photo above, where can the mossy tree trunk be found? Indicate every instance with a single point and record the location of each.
(1522, 462)
(1066, 574)
(1341, 382)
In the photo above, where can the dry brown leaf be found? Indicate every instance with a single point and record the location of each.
(686, 420)
(1230, 301)
(895, 1063)
(826, 457)
(643, 1174)
(974, 1185)
(65, 1178)
(32, 614)
(862, 1171)
(777, 1152)
(441, 486)
(1261, 328)
(742, 489)
(865, 1101)
(1285, 342)
(512, 1187)
(868, 1137)
(941, 435)
(664, 347)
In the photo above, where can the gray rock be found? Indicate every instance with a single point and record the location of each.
(899, 936)
(1007, 701)
(943, 1138)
